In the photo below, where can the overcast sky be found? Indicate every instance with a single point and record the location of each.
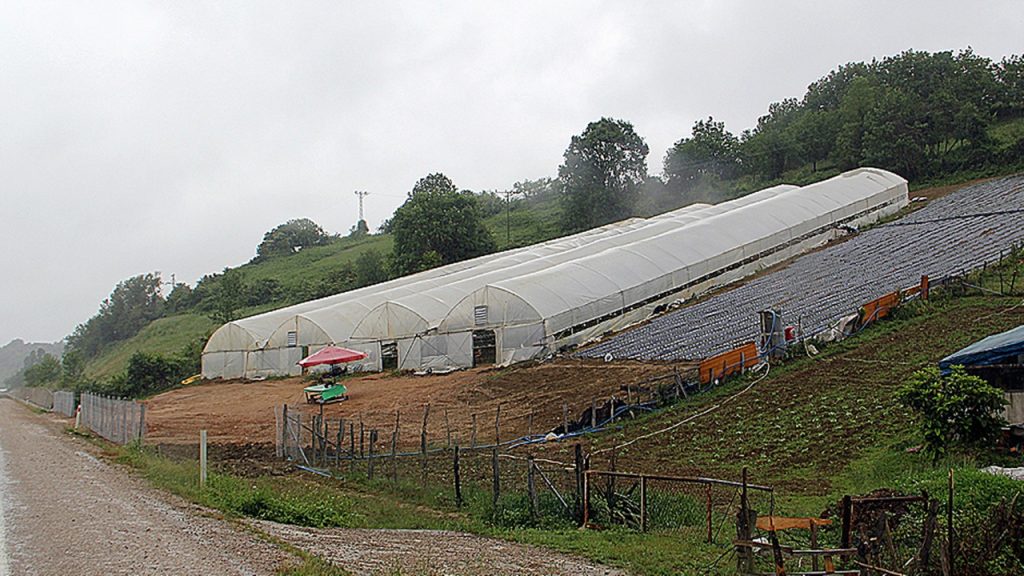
(143, 136)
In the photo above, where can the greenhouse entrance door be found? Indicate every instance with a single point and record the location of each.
(485, 350)
(389, 356)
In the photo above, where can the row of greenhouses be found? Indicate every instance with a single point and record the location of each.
(530, 302)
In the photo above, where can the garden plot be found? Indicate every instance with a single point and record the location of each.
(956, 233)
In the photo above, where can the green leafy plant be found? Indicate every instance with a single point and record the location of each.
(956, 411)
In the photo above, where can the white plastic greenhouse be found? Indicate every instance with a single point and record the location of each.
(526, 303)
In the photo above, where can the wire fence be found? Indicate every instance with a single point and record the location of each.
(64, 402)
(514, 489)
(670, 503)
(38, 397)
(118, 420)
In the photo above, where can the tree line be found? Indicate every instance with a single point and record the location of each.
(922, 115)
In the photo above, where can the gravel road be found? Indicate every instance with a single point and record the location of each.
(63, 512)
(430, 552)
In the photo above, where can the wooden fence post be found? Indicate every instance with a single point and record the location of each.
(531, 487)
(325, 444)
(497, 426)
(202, 458)
(394, 456)
(448, 429)
(458, 477)
(593, 413)
(744, 554)
(338, 438)
(847, 516)
(707, 500)
(371, 459)
(351, 447)
(930, 524)
(643, 503)
(472, 436)
(949, 526)
(581, 507)
(496, 484)
(423, 444)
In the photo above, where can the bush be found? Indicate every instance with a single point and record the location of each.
(956, 411)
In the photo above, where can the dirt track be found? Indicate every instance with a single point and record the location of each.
(430, 552)
(243, 412)
(66, 512)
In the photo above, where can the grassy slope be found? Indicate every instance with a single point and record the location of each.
(527, 223)
(314, 263)
(164, 336)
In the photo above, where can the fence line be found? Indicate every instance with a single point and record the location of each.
(64, 402)
(120, 421)
(38, 397)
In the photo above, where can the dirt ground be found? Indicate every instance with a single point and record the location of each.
(69, 512)
(429, 552)
(242, 413)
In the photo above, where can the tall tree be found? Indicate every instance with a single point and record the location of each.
(711, 151)
(230, 294)
(132, 305)
(290, 237)
(438, 224)
(602, 174)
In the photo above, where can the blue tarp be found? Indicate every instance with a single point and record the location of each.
(1004, 348)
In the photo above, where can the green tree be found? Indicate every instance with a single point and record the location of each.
(711, 151)
(893, 135)
(1010, 78)
(46, 371)
(601, 176)
(437, 218)
(263, 291)
(72, 368)
(370, 268)
(132, 305)
(148, 373)
(229, 295)
(956, 411)
(290, 237)
(853, 111)
(770, 148)
(181, 298)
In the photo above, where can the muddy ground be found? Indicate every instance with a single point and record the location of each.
(242, 413)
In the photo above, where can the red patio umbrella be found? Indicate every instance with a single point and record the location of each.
(331, 355)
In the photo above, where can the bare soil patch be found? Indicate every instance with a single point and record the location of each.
(242, 413)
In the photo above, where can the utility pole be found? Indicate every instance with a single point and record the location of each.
(361, 195)
(508, 218)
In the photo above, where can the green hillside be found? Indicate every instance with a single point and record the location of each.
(163, 336)
(314, 264)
